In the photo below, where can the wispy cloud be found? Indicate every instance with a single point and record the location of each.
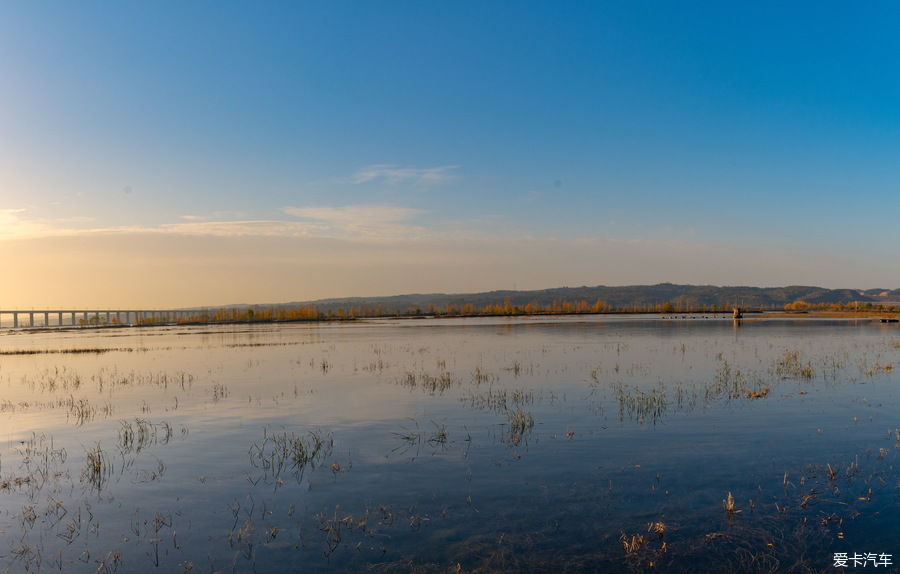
(357, 223)
(246, 228)
(394, 174)
(215, 216)
(14, 225)
(347, 222)
(362, 220)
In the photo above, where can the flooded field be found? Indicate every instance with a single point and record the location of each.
(608, 444)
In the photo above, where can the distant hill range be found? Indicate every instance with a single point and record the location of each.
(631, 296)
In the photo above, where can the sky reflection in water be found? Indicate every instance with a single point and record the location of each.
(487, 445)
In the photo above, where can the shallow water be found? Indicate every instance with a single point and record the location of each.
(489, 445)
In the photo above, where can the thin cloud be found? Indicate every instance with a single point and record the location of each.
(393, 174)
(215, 216)
(366, 222)
(14, 225)
(248, 228)
(362, 220)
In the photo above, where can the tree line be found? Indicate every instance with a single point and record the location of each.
(505, 309)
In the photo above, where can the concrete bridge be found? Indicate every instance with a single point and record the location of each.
(88, 317)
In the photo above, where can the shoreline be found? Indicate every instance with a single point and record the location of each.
(686, 315)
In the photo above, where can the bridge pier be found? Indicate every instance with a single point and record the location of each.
(95, 317)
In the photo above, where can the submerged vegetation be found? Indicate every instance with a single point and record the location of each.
(519, 424)
(633, 446)
(289, 452)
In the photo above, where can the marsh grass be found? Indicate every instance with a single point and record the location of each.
(728, 382)
(82, 411)
(439, 436)
(519, 424)
(137, 435)
(782, 531)
(40, 461)
(97, 468)
(428, 383)
(632, 544)
(480, 376)
(791, 366)
(71, 351)
(280, 452)
(658, 528)
(729, 505)
(437, 384)
(878, 369)
(639, 404)
(498, 400)
(409, 437)
(759, 394)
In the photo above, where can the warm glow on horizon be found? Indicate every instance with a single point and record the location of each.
(300, 151)
(142, 269)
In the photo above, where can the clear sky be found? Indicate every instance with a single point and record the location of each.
(189, 153)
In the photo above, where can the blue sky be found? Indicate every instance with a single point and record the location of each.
(760, 131)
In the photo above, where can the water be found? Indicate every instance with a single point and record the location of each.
(487, 445)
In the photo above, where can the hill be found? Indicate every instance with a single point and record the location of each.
(618, 297)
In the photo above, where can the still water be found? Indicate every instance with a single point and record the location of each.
(607, 444)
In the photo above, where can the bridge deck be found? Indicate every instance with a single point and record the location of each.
(91, 317)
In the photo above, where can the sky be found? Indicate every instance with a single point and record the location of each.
(164, 154)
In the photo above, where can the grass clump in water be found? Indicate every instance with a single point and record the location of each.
(520, 424)
(439, 436)
(790, 366)
(431, 384)
(729, 506)
(632, 544)
(97, 468)
(290, 451)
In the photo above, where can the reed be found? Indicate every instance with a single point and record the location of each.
(729, 505)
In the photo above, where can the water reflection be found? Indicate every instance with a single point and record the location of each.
(476, 445)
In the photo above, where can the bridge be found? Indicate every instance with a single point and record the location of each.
(88, 317)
